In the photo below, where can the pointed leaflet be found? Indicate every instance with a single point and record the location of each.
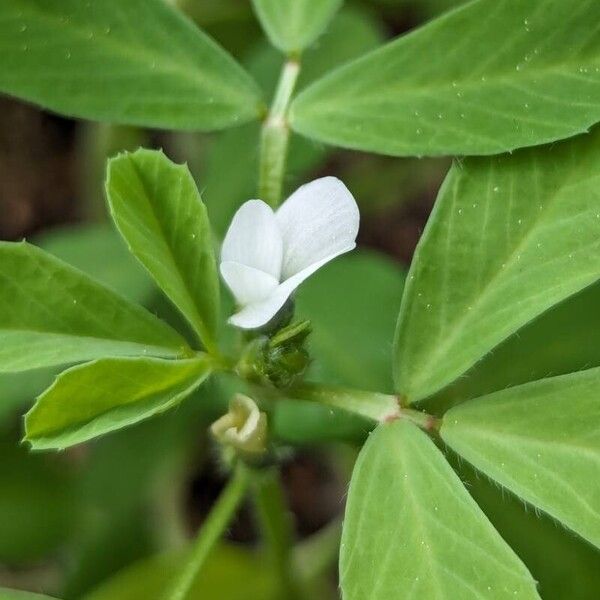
(138, 62)
(292, 25)
(98, 251)
(491, 76)
(412, 531)
(563, 564)
(563, 340)
(541, 440)
(51, 314)
(92, 399)
(509, 237)
(158, 210)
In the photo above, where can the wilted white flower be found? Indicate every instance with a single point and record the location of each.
(266, 255)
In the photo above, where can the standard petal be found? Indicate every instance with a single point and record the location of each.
(319, 220)
(253, 239)
(261, 312)
(248, 285)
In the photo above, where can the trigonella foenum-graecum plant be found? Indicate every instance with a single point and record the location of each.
(487, 348)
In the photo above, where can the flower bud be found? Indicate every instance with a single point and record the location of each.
(280, 360)
(244, 427)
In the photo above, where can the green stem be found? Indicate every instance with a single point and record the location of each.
(276, 526)
(275, 137)
(421, 419)
(371, 405)
(374, 406)
(211, 531)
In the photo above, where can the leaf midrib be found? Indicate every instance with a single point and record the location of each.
(488, 432)
(194, 381)
(499, 79)
(198, 322)
(431, 557)
(455, 330)
(44, 332)
(532, 496)
(131, 307)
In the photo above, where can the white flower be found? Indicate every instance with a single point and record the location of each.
(266, 255)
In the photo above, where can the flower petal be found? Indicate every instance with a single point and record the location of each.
(319, 220)
(248, 285)
(261, 312)
(253, 239)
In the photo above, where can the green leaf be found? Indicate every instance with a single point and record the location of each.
(541, 440)
(51, 314)
(563, 340)
(489, 77)
(293, 25)
(92, 399)
(158, 210)
(138, 62)
(352, 32)
(509, 237)
(563, 564)
(351, 343)
(411, 530)
(98, 251)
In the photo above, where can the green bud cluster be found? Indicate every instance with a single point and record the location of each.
(279, 360)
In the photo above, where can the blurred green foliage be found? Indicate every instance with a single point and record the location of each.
(229, 573)
(38, 509)
(99, 251)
